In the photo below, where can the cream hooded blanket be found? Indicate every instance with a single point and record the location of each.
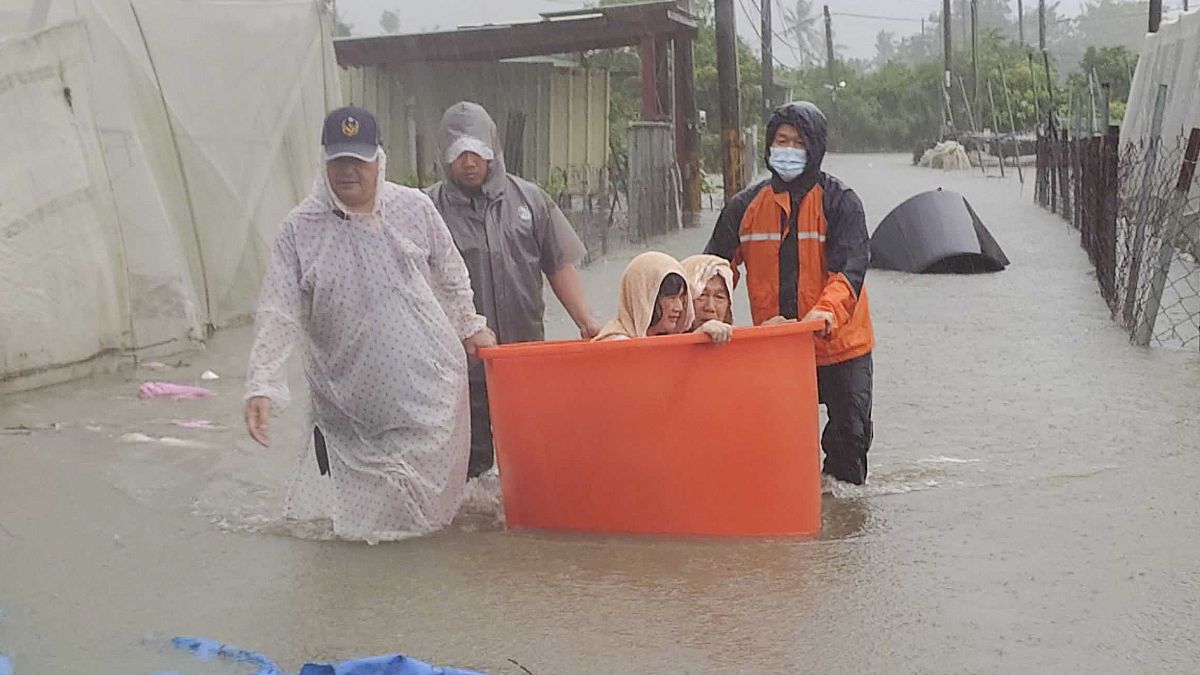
(639, 292)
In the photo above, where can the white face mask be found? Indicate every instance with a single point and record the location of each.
(788, 162)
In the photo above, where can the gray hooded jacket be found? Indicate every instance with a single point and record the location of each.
(509, 236)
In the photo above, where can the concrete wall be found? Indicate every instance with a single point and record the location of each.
(566, 115)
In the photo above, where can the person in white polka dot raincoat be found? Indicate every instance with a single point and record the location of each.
(364, 274)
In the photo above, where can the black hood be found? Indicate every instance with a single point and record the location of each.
(810, 121)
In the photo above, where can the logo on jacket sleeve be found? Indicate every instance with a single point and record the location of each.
(523, 213)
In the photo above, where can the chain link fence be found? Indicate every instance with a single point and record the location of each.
(1137, 209)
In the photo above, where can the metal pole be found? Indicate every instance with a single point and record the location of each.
(974, 127)
(1092, 103)
(1037, 105)
(728, 90)
(1166, 250)
(1012, 124)
(947, 54)
(768, 67)
(975, 84)
(1105, 101)
(996, 122)
(1148, 177)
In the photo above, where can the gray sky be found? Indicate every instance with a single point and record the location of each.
(856, 34)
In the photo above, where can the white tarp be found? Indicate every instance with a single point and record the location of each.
(195, 128)
(62, 286)
(1170, 57)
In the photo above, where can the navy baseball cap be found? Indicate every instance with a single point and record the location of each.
(351, 132)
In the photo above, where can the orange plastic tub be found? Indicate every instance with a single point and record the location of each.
(662, 435)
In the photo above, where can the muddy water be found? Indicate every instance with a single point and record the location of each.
(1032, 508)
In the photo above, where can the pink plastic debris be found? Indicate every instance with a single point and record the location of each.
(172, 391)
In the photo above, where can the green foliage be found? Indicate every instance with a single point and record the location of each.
(898, 105)
(1106, 65)
(625, 100)
(895, 102)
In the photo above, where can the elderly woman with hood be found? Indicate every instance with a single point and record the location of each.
(656, 298)
(712, 281)
(802, 236)
(365, 276)
(511, 234)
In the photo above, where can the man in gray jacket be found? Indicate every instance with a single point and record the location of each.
(510, 233)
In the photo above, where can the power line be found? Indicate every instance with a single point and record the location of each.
(802, 54)
(874, 16)
(774, 32)
(758, 33)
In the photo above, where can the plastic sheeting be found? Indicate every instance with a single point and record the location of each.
(146, 170)
(935, 232)
(1170, 57)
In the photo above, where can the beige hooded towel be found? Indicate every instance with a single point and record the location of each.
(639, 292)
(700, 269)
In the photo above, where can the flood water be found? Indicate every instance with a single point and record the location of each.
(1033, 507)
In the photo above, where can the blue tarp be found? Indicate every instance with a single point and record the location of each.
(6, 666)
(211, 649)
(391, 664)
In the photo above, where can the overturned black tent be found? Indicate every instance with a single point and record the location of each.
(935, 232)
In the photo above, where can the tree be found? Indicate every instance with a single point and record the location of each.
(340, 28)
(807, 30)
(389, 21)
(885, 48)
(1101, 23)
(1108, 65)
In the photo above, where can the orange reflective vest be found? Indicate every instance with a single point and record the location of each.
(760, 238)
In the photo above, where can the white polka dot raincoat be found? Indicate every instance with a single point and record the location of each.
(380, 303)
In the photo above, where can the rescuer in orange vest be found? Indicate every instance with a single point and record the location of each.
(802, 237)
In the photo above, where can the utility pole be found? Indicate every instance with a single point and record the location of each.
(1041, 25)
(732, 161)
(687, 129)
(976, 85)
(962, 14)
(1155, 15)
(946, 46)
(829, 48)
(1021, 22)
(768, 68)
(832, 73)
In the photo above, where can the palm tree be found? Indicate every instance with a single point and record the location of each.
(804, 26)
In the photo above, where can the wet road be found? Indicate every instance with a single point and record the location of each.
(1032, 508)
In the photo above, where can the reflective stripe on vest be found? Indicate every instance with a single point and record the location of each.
(759, 236)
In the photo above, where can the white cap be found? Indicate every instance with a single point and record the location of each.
(469, 144)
